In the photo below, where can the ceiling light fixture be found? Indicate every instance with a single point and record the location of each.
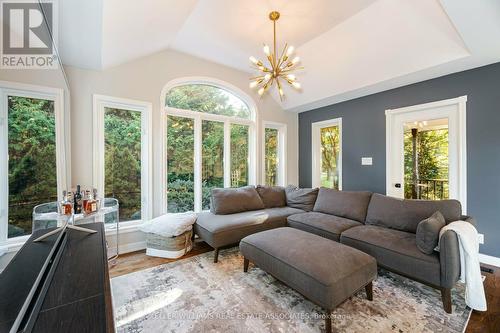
(279, 68)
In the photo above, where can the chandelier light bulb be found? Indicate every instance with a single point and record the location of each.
(267, 77)
(295, 60)
(260, 91)
(266, 50)
(296, 85)
(291, 77)
(261, 68)
(290, 50)
(253, 84)
(253, 60)
(281, 91)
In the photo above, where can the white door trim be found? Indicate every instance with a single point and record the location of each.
(459, 116)
(316, 146)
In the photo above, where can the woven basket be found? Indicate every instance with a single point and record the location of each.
(168, 247)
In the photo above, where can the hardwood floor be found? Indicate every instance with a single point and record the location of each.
(489, 321)
(136, 261)
(480, 322)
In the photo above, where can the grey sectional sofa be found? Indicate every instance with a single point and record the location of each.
(380, 226)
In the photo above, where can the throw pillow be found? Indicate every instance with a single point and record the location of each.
(272, 196)
(235, 200)
(301, 198)
(428, 232)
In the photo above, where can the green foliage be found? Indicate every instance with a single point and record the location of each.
(432, 151)
(330, 149)
(122, 160)
(207, 99)
(271, 156)
(32, 159)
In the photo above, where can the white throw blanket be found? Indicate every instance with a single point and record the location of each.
(170, 225)
(470, 270)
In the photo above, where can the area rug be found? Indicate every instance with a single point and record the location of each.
(196, 295)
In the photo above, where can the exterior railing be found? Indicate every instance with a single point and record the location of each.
(431, 189)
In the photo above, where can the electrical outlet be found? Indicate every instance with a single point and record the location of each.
(480, 238)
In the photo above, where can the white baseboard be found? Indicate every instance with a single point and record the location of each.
(489, 260)
(132, 247)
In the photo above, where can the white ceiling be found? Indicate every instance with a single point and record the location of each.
(349, 48)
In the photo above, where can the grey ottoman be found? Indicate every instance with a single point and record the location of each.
(322, 270)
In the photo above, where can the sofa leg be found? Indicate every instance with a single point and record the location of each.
(369, 291)
(245, 264)
(328, 322)
(446, 297)
(216, 255)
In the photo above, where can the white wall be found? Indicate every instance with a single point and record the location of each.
(143, 79)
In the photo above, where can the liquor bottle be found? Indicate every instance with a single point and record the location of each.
(66, 206)
(85, 200)
(91, 204)
(77, 200)
(96, 199)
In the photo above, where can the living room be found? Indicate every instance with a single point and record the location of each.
(265, 166)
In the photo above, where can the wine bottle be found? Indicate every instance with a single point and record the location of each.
(77, 200)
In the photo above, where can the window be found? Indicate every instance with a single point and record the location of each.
(180, 164)
(207, 99)
(31, 121)
(121, 148)
(209, 135)
(327, 154)
(274, 152)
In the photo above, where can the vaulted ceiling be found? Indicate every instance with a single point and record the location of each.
(349, 48)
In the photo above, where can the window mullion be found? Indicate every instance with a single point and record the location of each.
(197, 164)
(227, 154)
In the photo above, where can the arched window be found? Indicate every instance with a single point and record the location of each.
(210, 141)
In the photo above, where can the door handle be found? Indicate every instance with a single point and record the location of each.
(397, 185)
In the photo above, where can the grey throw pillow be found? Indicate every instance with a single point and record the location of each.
(235, 200)
(428, 232)
(301, 198)
(272, 196)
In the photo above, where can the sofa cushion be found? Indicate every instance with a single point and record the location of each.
(325, 225)
(222, 230)
(301, 198)
(405, 215)
(428, 232)
(349, 204)
(395, 250)
(272, 196)
(235, 200)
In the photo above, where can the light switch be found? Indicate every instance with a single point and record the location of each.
(366, 161)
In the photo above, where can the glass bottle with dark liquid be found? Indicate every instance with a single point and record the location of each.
(77, 200)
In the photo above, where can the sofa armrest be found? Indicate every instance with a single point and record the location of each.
(469, 219)
(449, 258)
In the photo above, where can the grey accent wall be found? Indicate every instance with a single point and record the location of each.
(363, 125)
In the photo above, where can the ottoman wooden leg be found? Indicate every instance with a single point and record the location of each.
(245, 264)
(369, 291)
(328, 322)
(216, 255)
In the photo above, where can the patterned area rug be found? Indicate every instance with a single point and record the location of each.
(196, 295)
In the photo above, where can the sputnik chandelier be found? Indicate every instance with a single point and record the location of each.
(280, 69)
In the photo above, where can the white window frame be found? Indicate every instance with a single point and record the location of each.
(282, 148)
(316, 149)
(198, 118)
(100, 103)
(62, 132)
